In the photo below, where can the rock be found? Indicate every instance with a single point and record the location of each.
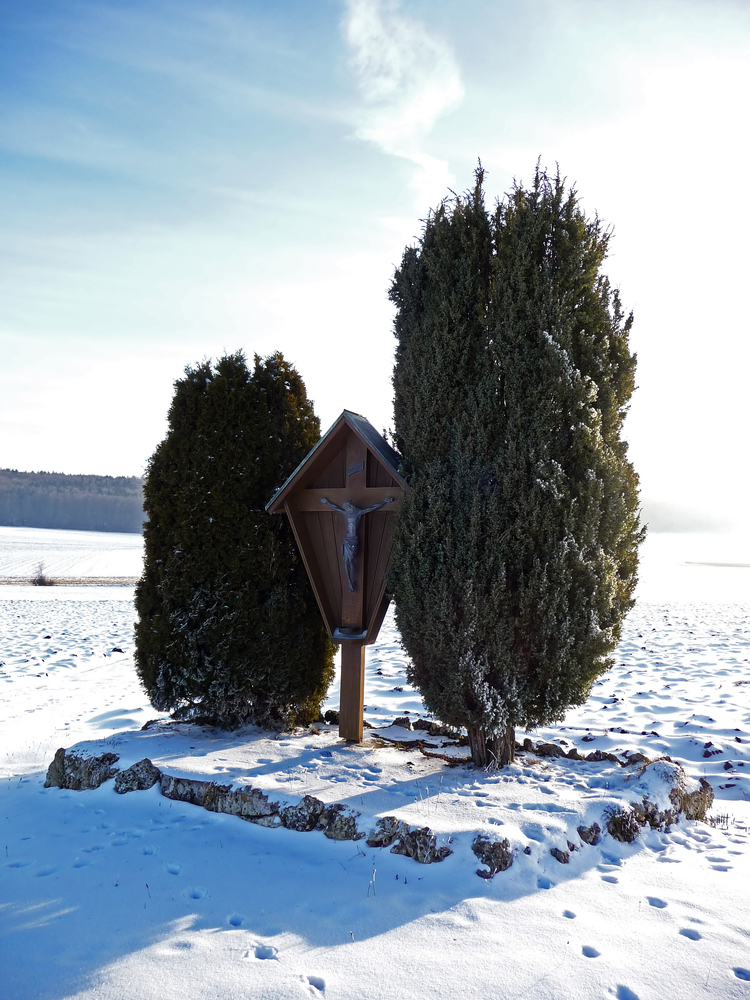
(403, 722)
(339, 823)
(332, 717)
(599, 755)
(622, 824)
(253, 806)
(184, 789)
(302, 817)
(248, 803)
(80, 772)
(137, 778)
(528, 746)
(590, 834)
(549, 750)
(420, 845)
(495, 854)
(527, 850)
(573, 754)
(637, 758)
(572, 847)
(562, 856)
(386, 830)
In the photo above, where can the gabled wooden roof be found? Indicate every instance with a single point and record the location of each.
(364, 430)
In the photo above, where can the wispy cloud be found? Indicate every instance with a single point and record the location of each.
(408, 78)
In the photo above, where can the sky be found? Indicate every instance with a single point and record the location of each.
(183, 179)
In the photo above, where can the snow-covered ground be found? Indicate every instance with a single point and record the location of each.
(134, 896)
(69, 555)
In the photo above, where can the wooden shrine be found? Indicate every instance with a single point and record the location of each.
(340, 501)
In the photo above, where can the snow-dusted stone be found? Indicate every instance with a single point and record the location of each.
(386, 830)
(597, 756)
(184, 789)
(137, 778)
(248, 803)
(339, 823)
(562, 856)
(549, 750)
(496, 854)
(420, 845)
(637, 758)
(665, 792)
(304, 816)
(79, 772)
(403, 722)
(590, 834)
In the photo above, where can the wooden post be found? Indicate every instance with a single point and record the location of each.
(352, 698)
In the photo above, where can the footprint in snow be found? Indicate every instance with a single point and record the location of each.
(46, 870)
(623, 993)
(195, 892)
(569, 914)
(235, 920)
(545, 883)
(590, 952)
(174, 869)
(81, 863)
(743, 974)
(655, 901)
(149, 849)
(688, 932)
(316, 983)
(613, 879)
(264, 951)
(18, 864)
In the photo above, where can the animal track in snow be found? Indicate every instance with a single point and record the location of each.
(46, 870)
(743, 974)
(623, 993)
(265, 951)
(545, 883)
(590, 952)
(18, 864)
(610, 878)
(317, 983)
(235, 920)
(655, 901)
(569, 914)
(195, 892)
(174, 869)
(688, 932)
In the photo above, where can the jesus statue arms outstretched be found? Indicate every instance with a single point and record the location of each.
(350, 544)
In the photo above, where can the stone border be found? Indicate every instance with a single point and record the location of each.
(339, 822)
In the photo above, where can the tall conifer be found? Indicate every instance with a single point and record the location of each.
(228, 627)
(515, 553)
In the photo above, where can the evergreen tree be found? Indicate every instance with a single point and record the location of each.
(515, 553)
(229, 630)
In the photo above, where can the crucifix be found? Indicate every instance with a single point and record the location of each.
(340, 501)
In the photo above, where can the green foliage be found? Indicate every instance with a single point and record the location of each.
(228, 625)
(515, 551)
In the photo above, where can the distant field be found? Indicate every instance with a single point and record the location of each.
(70, 556)
(674, 567)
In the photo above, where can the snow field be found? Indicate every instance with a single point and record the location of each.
(107, 896)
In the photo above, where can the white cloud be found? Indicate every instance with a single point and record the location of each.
(408, 79)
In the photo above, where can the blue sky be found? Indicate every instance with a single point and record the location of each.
(183, 179)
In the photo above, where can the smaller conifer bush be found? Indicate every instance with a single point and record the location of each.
(228, 628)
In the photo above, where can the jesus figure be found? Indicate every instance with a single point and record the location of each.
(350, 545)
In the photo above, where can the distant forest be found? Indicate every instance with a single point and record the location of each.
(80, 503)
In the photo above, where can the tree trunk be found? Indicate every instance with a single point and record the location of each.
(492, 749)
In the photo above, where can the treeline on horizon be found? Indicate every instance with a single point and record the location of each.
(78, 503)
